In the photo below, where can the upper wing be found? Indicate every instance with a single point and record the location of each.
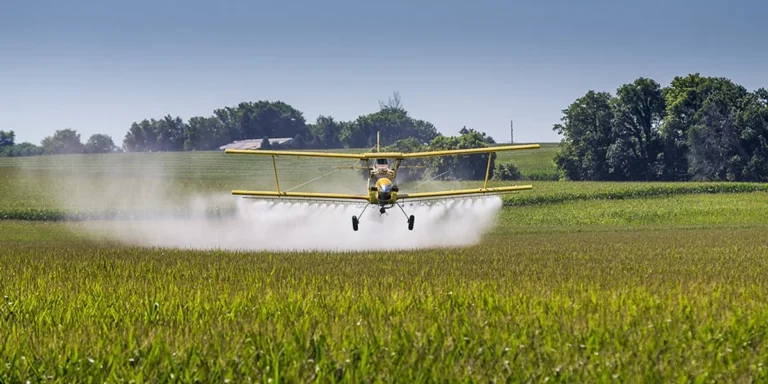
(469, 151)
(462, 192)
(295, 153)
(381, 155)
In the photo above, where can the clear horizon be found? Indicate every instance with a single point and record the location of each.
(98, 68)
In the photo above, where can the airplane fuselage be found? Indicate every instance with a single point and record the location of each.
(383, 192)
(382, 189)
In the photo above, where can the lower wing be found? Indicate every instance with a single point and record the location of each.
(346, 198)
(337, 197)
(462, 192)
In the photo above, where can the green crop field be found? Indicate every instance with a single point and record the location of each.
(534, 164)
(575, 282)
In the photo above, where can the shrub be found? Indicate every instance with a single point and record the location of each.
(506, 171)
(548, 175)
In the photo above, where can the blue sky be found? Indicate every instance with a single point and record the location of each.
(98, 67)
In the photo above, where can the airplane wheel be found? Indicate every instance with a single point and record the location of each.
(410, 223)
(355, 222)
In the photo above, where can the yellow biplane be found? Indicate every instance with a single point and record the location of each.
(382, 188)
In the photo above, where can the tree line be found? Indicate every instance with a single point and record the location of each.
(247, 120)
(697, 128)
(63, 141)
(265, 120)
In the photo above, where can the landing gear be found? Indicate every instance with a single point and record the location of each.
(411, 219)
(382, 210)
(356, 221)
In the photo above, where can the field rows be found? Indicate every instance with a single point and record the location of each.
(653, 306)
(577, 282)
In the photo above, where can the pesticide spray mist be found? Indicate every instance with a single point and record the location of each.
(298, 226)
(155, 211)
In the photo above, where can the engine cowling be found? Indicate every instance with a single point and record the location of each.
(386, 192)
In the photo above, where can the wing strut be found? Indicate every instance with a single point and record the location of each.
(274, 165)
(487, 171)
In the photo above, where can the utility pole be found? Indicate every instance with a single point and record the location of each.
(511, 132)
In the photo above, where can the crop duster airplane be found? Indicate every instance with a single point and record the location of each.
(382, 188)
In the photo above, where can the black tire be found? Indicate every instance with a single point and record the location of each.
(410, 222)
(354, 222)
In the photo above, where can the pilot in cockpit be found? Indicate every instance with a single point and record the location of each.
(381, 166)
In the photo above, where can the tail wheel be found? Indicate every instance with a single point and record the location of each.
(355, 222)
(410, 222)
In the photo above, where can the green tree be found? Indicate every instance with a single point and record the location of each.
(636, 147)
(63, 141)
(249, 120)
(6, 139)
(392, 125)
(753, 125)
(326, 132)
(100, 143)
(150, 135)
(586, 127)
(727, 136)
(352, 136)
(394, 103)
(204, 133)
(141, 137)
(702, 128)
(424, 131)
(170, 134)
(684, 99)
(392, 122)
(487, 139)
(23, 149)
(459, 167)
(506, 171)
(762, 97)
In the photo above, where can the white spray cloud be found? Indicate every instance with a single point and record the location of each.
(138, 186)
(278, 225)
